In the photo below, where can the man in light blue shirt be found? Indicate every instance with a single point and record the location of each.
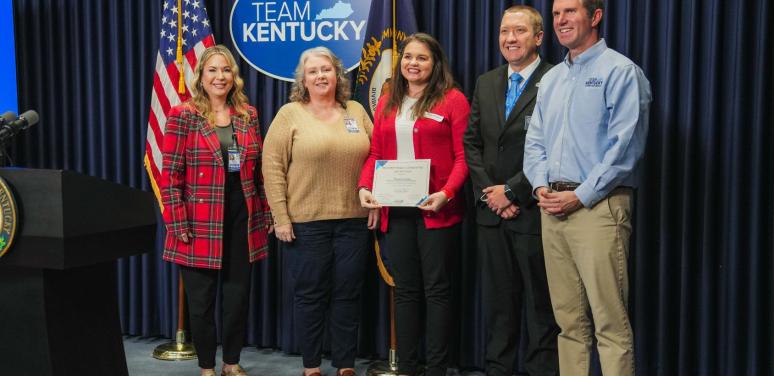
(586, 135)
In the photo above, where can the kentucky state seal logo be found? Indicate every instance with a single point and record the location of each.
(8, 217)
(376, 64)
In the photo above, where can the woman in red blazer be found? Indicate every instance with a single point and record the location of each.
(423, 117)
(214, 204)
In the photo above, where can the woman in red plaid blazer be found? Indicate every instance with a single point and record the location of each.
(214, 203)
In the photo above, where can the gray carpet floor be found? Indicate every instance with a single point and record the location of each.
(257, 362)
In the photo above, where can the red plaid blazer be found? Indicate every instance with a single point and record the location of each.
(192, 188)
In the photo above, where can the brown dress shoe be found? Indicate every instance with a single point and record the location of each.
(234, 371)
(347, 372)
(311, 374)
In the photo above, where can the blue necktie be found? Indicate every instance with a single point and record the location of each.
(513, 93)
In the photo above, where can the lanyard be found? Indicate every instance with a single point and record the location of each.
(519, 90)
(233, 136)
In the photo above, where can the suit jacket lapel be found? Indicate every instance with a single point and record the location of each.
(211, 139)
(240, 128)
(499, 90)
(528, 95)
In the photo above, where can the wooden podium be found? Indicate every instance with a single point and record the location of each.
(58, 287)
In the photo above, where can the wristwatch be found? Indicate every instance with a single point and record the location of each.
(509, 193)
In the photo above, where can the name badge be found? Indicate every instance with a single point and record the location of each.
(527, 119)
(351, 125)
(433, 116)
(233, 159)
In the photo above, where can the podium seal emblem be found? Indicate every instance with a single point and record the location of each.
(8, 217)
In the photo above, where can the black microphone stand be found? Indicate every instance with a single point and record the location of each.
(3, 144)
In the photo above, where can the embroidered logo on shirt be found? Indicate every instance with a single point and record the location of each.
(594, 82)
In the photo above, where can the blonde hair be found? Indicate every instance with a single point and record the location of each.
(299, 93)
(534, 15)
(236, 97)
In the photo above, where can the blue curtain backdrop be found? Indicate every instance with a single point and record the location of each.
(702, 265)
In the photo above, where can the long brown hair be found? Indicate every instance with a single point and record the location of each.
(440, 82)
(236, 97)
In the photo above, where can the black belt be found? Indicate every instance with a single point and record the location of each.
(561, 186)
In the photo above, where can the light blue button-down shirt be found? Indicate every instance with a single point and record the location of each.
(589, 124)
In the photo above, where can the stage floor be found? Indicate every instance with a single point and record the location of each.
(257, 362)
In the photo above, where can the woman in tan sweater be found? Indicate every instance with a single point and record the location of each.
(312, 157)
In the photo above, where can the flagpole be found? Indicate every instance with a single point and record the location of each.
(178, 349)
(393, 355)
(179, 55)
(391, 367)
(394, 37)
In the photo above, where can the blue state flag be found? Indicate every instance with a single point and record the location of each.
(389, 23)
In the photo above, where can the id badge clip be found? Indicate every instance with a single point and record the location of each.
(351, 125)
(233, 159)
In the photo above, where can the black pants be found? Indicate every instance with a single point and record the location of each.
(201, 286)
(328, 261)
(420, 261)
(514, 277)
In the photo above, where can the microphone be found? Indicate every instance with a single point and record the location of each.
(12, 125)
(7, 117)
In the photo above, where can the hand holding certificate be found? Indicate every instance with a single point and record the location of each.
(401, 182)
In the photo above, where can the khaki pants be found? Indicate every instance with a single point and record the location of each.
(586, 255)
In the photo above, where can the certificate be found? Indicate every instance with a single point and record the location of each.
(401, 182)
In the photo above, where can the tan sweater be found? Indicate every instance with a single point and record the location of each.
(311, 168)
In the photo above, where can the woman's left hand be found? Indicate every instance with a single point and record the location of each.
(373, 218)
(434, 202)
(284, 233)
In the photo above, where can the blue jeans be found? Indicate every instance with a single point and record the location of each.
(328, 261)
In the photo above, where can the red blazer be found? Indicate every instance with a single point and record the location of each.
(192, 182)
(441, 142)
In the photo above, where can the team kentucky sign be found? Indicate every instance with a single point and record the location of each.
(271, 35)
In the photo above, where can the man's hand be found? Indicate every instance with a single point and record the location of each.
(495, 198)
(509, 212)
(558, 203)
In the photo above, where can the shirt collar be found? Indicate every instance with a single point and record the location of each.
(526, 72)
(587, 55)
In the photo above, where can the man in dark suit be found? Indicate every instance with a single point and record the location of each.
(513, 276)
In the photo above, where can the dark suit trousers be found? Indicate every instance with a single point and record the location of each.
(514, 281)
(201, 286)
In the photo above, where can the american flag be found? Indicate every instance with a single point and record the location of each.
(185, 34)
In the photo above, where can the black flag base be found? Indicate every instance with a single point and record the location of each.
(177, 350)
